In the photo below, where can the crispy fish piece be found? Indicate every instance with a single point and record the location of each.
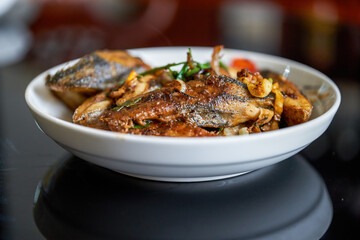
(212, 102)
(93, 73)
(89, 112)
(297, 108)
(199, 100)
(71, 99)
(224, 102)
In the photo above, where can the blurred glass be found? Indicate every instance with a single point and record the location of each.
(252, 25)
(15, 37)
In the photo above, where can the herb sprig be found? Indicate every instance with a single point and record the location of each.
(128, 103)
(188, 69)
(167, 66)
(141, 126)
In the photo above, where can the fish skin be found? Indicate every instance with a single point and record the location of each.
(96, 72)
(213, 102)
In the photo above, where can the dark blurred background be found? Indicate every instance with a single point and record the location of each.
(324, 34)
(321, 33)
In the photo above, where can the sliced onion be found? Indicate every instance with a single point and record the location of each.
(182, 84)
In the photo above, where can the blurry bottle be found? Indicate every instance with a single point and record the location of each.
(252, 25)
(320, 37)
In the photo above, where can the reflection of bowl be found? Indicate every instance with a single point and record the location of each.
(78, 200)
(186, 159)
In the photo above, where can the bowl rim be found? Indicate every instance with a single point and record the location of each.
(190, 140)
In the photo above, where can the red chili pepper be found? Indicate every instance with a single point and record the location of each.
(241, 63)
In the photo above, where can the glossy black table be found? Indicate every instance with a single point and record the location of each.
(33, 167)
(78, 200)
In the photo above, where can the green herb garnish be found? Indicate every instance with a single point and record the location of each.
(168, 66)
(183, 71)
(141, 126)
(221, 64)
(203, 65)
(110, 91)
(192, 72)
(220, 130)
(189, 68)
(128, 103)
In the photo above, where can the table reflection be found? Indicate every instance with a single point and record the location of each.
(79, 200)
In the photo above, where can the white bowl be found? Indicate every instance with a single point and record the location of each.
(186, 159)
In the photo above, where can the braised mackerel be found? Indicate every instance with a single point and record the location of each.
(216, 101)
(114, 91)
(93, 73)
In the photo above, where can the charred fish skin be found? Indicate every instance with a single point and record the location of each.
(95, 72)
(156, 105)
(226, 111)
(227, 104)
(212, 102)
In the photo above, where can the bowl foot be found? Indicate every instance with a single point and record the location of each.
(184, 179)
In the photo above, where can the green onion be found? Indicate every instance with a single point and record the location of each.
(221, 64)
(220, 130)
(182, 72)
(192, 72)
(203, 65)
(110, 91)
(168, 66)
(140, 126)
(128, 103)
(173, 73)
(186, 70)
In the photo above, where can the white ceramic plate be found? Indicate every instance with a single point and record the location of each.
(186, 159)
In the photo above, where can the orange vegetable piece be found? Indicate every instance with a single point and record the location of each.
(241, 63)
